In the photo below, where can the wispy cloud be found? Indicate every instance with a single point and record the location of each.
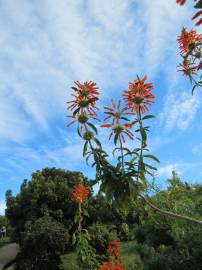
(181, 168)
(179, 110)
(45, 45)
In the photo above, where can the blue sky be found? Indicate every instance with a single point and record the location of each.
(46, 45)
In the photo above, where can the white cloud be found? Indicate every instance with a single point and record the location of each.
(2, 208)
(180, 168)
(179, 110)
(45, 45)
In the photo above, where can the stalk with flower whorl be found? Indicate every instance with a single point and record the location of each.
(190, 45)
(139, 95)
(84, 108)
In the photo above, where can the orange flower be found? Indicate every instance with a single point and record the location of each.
(139, 95)
(180, 2)
(187, 69)
(110, 266)
(114, 249)
(117, 114)
(85, 98)
(106, 266)
(187, 40)
(196, 15)
(80, 193)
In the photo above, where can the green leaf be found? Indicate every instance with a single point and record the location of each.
(76, 111)
(115, 149)
(116, 138)
(92, 126)
(198, 4)
(97, 142)
(148, 116)
(79, 132)
(124, 118)
(85, 147)
(150, 167)
(134, 122)
(192, 91)
(152, 157)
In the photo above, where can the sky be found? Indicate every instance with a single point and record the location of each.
(47, 45)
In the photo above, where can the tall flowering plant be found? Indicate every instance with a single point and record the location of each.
(127, 120)
(86, 255)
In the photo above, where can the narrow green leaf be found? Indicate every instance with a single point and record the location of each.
(116, 138)
(85, 148)
(148, 116)
(152, 157)
(92, 126)
(78, 131)
(76, 111)
(150, 167)
(97, 142)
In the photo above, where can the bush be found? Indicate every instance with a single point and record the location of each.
(43, 243)
(100, 236)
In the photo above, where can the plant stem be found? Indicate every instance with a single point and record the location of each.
(139, 118)
(122, 157)
(80, 216)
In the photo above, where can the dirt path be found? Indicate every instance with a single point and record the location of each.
(7, 253)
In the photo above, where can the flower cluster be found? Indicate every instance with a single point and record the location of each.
(117, 114)
(84, 101)
(113, 251)
(80, 193)
(198, 14)
(139, 95)
(188, 41)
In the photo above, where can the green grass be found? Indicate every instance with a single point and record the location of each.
(129, 257)
(69, 261)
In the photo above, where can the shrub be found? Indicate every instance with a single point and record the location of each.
(100, 236)
(43, 243)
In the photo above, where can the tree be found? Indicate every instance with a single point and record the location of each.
(48, 192)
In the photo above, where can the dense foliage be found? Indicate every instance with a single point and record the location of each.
(160, 242)
(43, 242)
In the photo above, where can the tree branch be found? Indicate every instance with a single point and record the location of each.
(168, 213)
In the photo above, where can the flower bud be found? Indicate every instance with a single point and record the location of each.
(88, 135)
(83, 118)
(118, 129)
